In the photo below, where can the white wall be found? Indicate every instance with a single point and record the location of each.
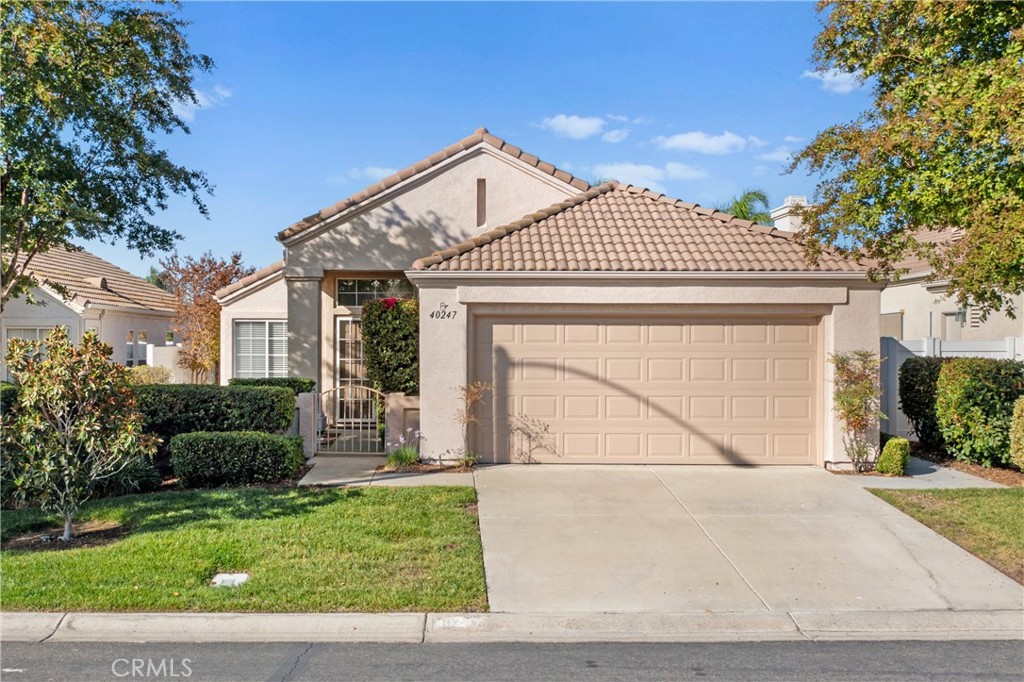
(919, 305)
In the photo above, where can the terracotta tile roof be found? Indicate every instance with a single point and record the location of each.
(260, 274)
(917, 264)
(480, 136)
(91, 280)
(613, 228)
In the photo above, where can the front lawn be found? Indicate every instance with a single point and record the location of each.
(365, 549)
(987, 522)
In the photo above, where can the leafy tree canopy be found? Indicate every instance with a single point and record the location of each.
(85, 89)
(941, 148)
(751, 205)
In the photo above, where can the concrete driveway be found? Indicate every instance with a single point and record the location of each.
(577, 539)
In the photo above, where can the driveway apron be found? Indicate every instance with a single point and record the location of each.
(605, 538)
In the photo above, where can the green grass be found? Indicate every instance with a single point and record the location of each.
(366, 549)
(987, 522)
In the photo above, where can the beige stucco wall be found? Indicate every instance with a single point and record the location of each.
(430, 211)
(848, 311)
(111, 325)
(923, 311)
(262, 301)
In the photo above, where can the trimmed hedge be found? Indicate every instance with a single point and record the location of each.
(918, 379)
(1017, 434)
(894, 458)
(205, 459)
(974, 405)
(391, 344)
(296, 384)
(169, 410)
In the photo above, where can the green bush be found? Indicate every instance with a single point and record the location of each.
(150, 374)
(974, 405)
(884, 438)
(169, 410)
(918, 378)
(139, 476)
(296, 384)
(403, 456)
(8, 397)
(894, 458)
(1017, 434)
(391, 344)
(207, 459)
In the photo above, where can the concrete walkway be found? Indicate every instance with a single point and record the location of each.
(362, 471)
(656, 539)
(924, 474)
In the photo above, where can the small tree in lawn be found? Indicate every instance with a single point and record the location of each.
(193, 282)
(857, 398)
(76, 422)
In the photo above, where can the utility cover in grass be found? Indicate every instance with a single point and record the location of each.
(229, 579)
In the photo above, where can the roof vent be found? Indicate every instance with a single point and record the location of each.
(99, 282)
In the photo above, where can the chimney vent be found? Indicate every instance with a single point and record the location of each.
(784, 217)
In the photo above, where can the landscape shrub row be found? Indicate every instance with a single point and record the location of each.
(296, 384)
(207, 459)
(963, 405)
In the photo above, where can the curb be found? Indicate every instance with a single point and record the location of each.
(417, 628)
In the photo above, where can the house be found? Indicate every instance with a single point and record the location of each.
(615, 324)
(126, 311)
(916, 306)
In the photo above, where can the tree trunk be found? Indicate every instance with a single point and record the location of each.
(67, 528)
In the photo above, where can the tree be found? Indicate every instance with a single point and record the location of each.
(156, 278)
(87, 88)
(941, 147)
(751, 205)
(193, 282)
(75, 422)
(857, 403)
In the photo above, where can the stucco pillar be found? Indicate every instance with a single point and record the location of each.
(853, 326)
(304, 323)
(444, 368)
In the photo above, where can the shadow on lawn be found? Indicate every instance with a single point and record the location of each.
(154, 512)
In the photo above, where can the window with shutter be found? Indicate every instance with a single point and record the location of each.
(261, 348)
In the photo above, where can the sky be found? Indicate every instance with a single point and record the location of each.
(311, 102)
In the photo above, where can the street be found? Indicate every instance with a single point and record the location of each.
(903, 661)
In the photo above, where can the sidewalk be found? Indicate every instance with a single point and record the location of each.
(349, 470)
(428, 628)
(924, 474)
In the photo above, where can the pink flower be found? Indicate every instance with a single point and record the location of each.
(389, 303)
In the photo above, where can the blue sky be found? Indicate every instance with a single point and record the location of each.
(310, 102)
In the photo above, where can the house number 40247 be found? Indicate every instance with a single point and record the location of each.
(443, 312)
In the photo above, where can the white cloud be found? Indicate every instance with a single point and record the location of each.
(756, 141)
(616, 135)
(617, 118)
(647, 175)
(364, 174)
(759, 171)
(205, 99)
(643, 120)
(572, 126)
(792, 139)
(834, 80)
(702, 143)
(779, 155)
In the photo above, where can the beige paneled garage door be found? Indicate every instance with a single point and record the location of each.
(694, 390)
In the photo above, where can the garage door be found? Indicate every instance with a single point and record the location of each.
(628, 390)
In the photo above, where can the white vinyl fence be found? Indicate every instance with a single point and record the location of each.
(894, 352)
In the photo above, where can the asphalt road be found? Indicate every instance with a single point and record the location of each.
(902, 661)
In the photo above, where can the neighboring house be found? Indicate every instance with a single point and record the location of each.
(126, 311)
(616, 324)
(916, 306)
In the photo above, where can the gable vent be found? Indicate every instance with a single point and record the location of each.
(974, 317)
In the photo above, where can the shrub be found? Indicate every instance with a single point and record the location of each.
(856, 395)
(183, 408)
(296, 384)
(150, 374)
(894, 458)
(974, 405)
(403, 456)
(76, 421)
(139, 476)
(8, 398)
(391, 344)
(918, 378)
(1017, 434)
(206, 459)
(884, 438)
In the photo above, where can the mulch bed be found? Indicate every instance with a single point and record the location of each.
(423, 468)
(87, 534)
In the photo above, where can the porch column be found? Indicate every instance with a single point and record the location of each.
(304, 286)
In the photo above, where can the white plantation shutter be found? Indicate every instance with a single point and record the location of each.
(261, 349)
